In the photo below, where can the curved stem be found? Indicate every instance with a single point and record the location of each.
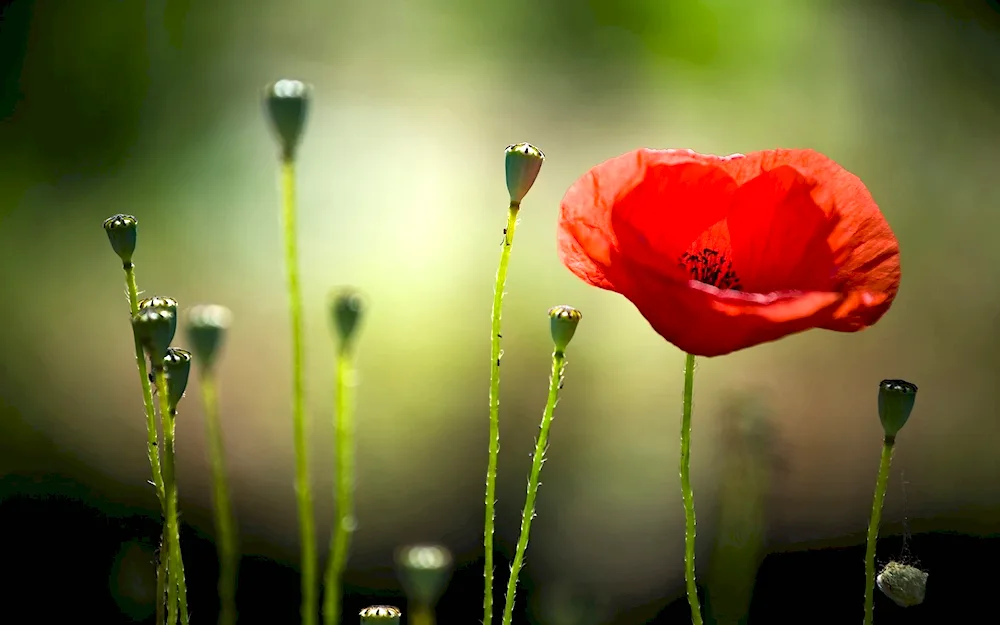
(176, 563)
(888, 444)
(225, 524)
(152, 447)
(307, 531)
(491, 469)
(538, 459)
(688, 495)
(343, 427)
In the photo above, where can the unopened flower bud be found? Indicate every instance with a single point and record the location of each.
(347, 309)
(155, 327)
(562, 322)
(523, 162)
(287, 103)
(159, 301)
(895, 402)
(424, 571)
(121, 231)
(206, 330)
(177, 367)
(380, 615)
(904, 584)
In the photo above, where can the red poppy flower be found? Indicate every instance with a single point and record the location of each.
(720, 253)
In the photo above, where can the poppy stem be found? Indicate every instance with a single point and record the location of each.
(688, 494)
(888, 445)
(537, 460)
(495, 355)
(176, 583)
(343, 427)
(152, 444)
(161, 582)
(224, 522)
(307, 531)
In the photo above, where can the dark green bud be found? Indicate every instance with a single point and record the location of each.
(155, 327)
(287, 103)
(158, 301)
(121, 231)
(380, 615)
(177, 367)
(347, 308)
(562, 323)
(424, 572)
(523, 162)
(206, 330)
(895, 402)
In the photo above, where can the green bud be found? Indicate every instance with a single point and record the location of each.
(155, 327)
(158, 301)
(206, 329)
(895, 401)
(380, 615)
(121, 231)
(523, 162)
(424, 572)
(177, 367)
(904, 584)
(347, 309)
(562, 322)
(287, 104)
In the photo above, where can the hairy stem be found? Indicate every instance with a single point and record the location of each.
(307, 531)
(688, 495)
(225, 524)
(161, 581)
(343, 527)
(538, 459)
(176, 563)
(888, 445)
(491, 470)
(152, 446)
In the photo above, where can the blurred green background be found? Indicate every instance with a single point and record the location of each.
(153, 109)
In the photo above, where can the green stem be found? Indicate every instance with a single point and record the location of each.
(538, 459)
(161, 583)
(307, 530)
(688, 495)
(169, 418)
(421, 615)
(343, 428)
(491, 469)
(224, 522)
(152, 449)
(888, 444)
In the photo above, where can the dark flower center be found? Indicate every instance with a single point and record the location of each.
(711, 267)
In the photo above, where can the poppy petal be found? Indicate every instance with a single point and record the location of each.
(779, 234)
(705, 321)
(653, 202)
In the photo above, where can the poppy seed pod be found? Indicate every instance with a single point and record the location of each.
(562, 322)
(424, 571)
(159, 301)
(155, 327)
(895, 402)
(177, 366)
(523, 162)
(122, 234)
(380, 615)
(904, 584)
(206, 330)
(287, 103)
(347, 308)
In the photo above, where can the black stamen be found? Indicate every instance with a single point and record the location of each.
(711, 267)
